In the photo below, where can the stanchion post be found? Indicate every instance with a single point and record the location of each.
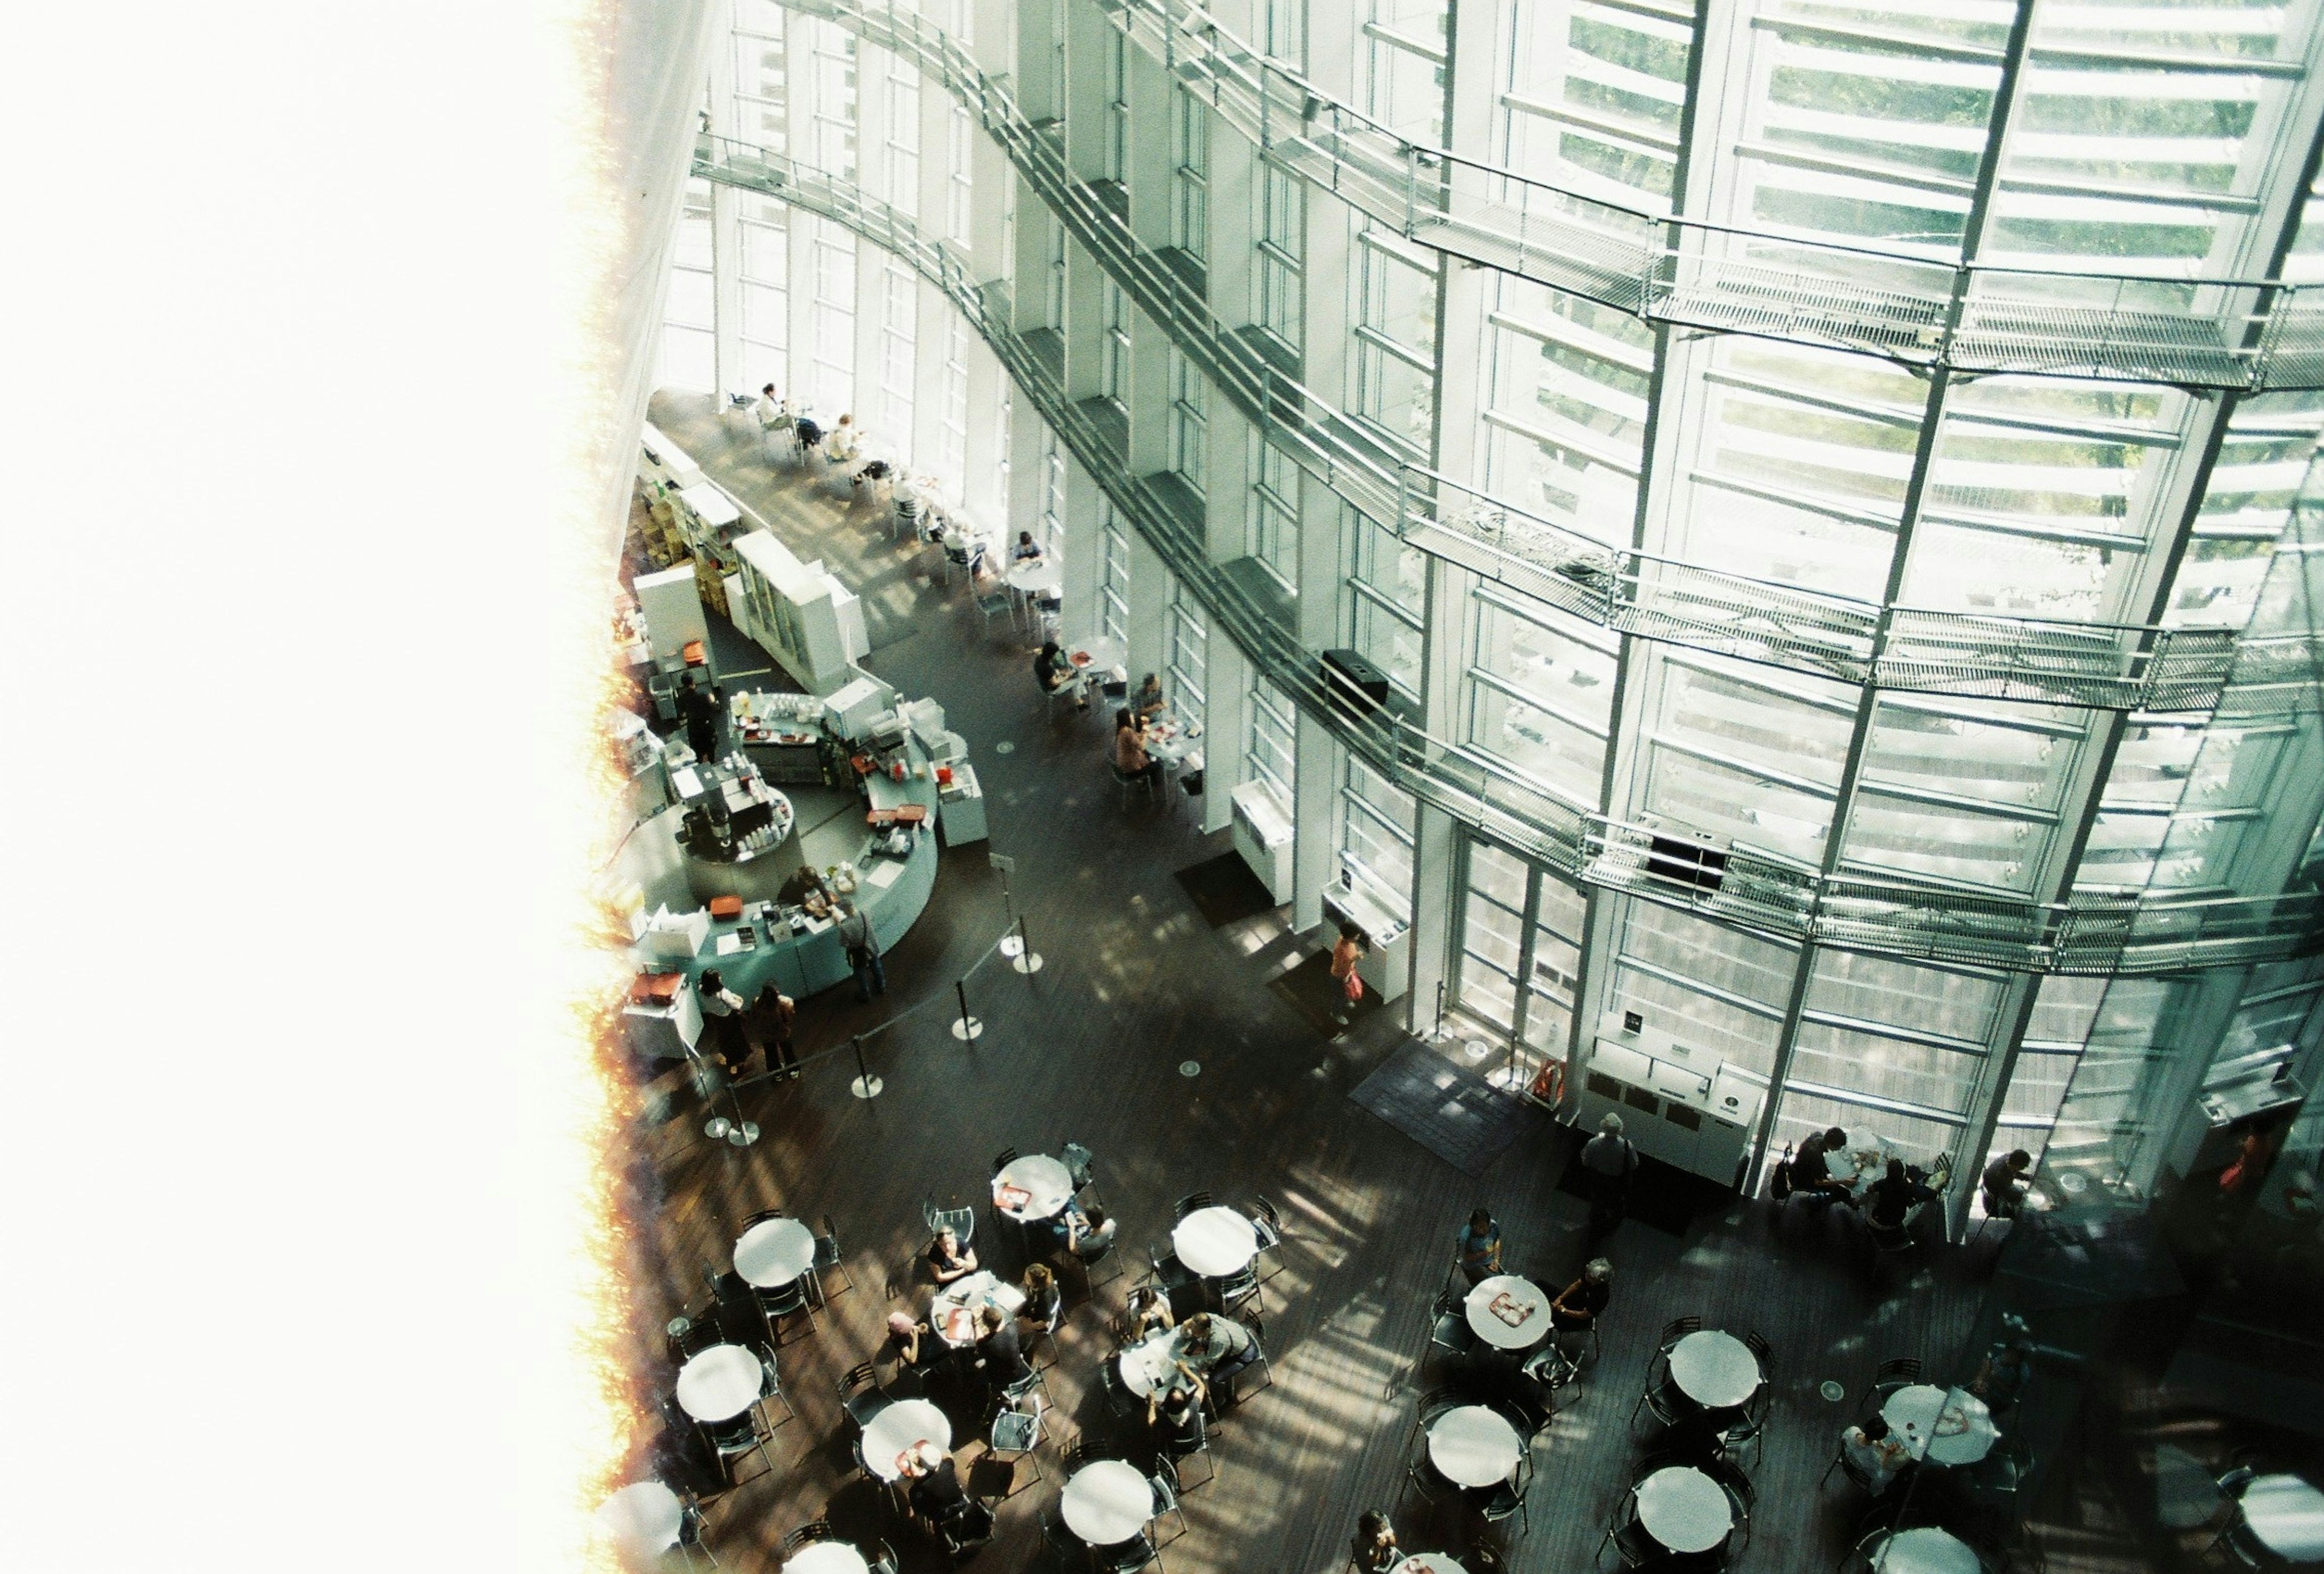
(865, 1085)
(1024, 959)
(968, 1027)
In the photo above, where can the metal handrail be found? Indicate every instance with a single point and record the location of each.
(2098, 934)
(1931, 650)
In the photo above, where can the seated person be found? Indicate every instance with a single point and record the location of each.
(1043, 1302)
(1053, 669)
(1876, 1456)
(948, 1259)
(1217, 1345)
(1479, 1244)
(935, 1491)
(999, 1353)
(1175, 1409)
(1889, 1201)
(1088, 1233)
(1576, 1310)
(2003, 1374)
(903, 1346)
(1129, 750)
(1149, 702)
(1376, 1550)
(2004, 1184)
(1811, 1171)
(1027, 550)
(1149, 1313)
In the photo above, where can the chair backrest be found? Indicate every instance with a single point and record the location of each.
(860, 1375)
(1078, 1164)
(1756, 1343)
(814, 1530)
(1086, 1451)
(1193, 1202)
(1266, 1209)
(1003, 1159)
(1448, 1303)
(1016, 1431)
(761, 1217)
(1677, 1329)
(830, 1237)
(1897, 1369)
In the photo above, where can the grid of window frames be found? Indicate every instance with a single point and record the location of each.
(1190, 629)
(952, 438)
(1395, 340)
(1270, 756)
(1388, 588)
(1275, 277)
(1113, 345)
(764, 227)
(1053, 493)
(1404, 66)
(1275, 512)
(761, 76)
(900, 291)
(830, 98)
(831, 372)
(1189, 420)
(900, 148)
(1376, 834)
(689, 351)
(1190, 181)
(1113, 588)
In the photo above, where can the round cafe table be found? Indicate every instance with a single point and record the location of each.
(1945, 1427)
(1037, 576)
(1684, 1510)
(1101, 654)
(1472, 1446)
(1107, 1502)
(1716, 1370)
(1429, 1563)
(720, 1384)
(826, 1558)
(1146, 1365)
(1527, 1302)
(1215, 1242)
(644, 1517)
(2286, 1515)
(774, 1253)
(1924, 1550)
(898, 1427)
(1047, 1179)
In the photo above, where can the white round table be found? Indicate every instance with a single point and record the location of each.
(1146, 1365)
(1925, 1549)
(1945, 1427)
(644, 1517)
(1047, 1179)
(826, 1558)
(1527, 1303)
(1716, 1370)
(1428, 1563)
(1684, 1510)
(973, 1292)
(1107, 1502)
(774, 1253)
(1472, 1446)
(1037, 576)
(1215, 1242)
(2286, 1515)
(901, 1426)
(1104, 654)
(720, 1384)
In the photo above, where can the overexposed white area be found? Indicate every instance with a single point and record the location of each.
(324, 324)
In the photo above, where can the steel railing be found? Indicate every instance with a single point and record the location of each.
(1760, 891)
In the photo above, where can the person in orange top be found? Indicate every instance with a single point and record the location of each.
(1345, 950)
(1129, 750)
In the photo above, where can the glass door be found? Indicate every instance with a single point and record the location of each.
(1520, 933)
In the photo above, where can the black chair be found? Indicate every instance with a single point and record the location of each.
(1086, 1451)
(1263, 1219)
(748, 1432)
(785, 1300)
(1093, 1252)
(1003, 1159)
(1846, 1466)
(1080, 1167)
(1895, 1372)
(1508, 1499)
(860, 1395)
(1118, 1397)
(1017, 1433)
(1675, 1330)
(1629, 1538)
(961, 1221)
(1449, 1330)
(1425, 1481)
(827, 1260)
(1193, 1202)
(1164, 1483)
(885, 1563)
(1732, 1481)
(1069, 1547)
(1241, 1288)
(761, 1217)
(1259, 1362)
(966, 1529)
(1126, 1557)
(807, 1534)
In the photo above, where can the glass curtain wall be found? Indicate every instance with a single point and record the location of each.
(689, 346)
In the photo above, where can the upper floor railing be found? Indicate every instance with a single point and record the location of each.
(1757, 889)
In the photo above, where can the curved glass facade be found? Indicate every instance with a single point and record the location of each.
(1876, 441)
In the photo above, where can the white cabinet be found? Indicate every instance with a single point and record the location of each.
(1681, 1104)
(959, 807)
(1262, 834)
(672, 605)
(798, 612)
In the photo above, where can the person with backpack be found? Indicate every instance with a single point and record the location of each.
(862, 953)
(1609, 1160)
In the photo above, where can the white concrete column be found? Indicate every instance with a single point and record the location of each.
(1151, 154)
(1084, 563)
(1151, 586)
(1089, 43)
(1313, 866)
(1226, 723)
(1148, 395)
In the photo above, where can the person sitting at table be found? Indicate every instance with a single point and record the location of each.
(1217, 1345)
(2003, 1185)
(1889, 1201)
(1149, 1313)
(1874, 1457)
(1044, 1300)
(1175, 1409)
(903, 1346)
(1088, 1233)
(2003, 1374)
(1479, 1247)
(1026, 550)
(1053, 669)
(841, 449)
(1000, 1352)
(1811, 1171)
(1376, 1551)
(948, 1259)
(1149, 702)
(1129, 750)
(935, 1491)
(1576, 1308)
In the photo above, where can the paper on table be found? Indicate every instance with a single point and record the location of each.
(728, 944)
(884, 874)
(688, 784)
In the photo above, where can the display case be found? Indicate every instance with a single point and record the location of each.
(1679, 1103)
(799, 612)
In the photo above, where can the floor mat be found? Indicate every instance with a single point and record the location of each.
(1223, 890)
(1662, 1196)
(1459, 1117)
(1321, 997)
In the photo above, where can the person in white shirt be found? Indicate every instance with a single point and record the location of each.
(1876, 1456)
(774, 415)
(840, 447)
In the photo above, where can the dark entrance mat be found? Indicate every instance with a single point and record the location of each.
(1223, 890)
(1662, 1196)
(1455, 1115)
(1321, 997)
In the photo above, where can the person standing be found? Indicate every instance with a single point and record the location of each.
(1479, 1247)
(1609, 1160)
(728, 1043)
(774, 1014)
(698, 705)
(1346, 951)
(862, 953)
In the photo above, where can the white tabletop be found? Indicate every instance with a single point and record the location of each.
(1527, 1302)
(1715, 1370)
(643, 1516)
(1947, 1427)
(1107, 1502)
(1105, 653)
(973, 1294)
(1215, 1242)
(1146, 1365)
(1051, 1183)
(1039, 576)
(826, 1558)
(775, 1253)
(1684, 1510)
(2286, 1514)
(1473, 1446)
(720, 1384)
(1169, 744)
(901, 1426)
(1428, 1563)
(1925, 1549)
